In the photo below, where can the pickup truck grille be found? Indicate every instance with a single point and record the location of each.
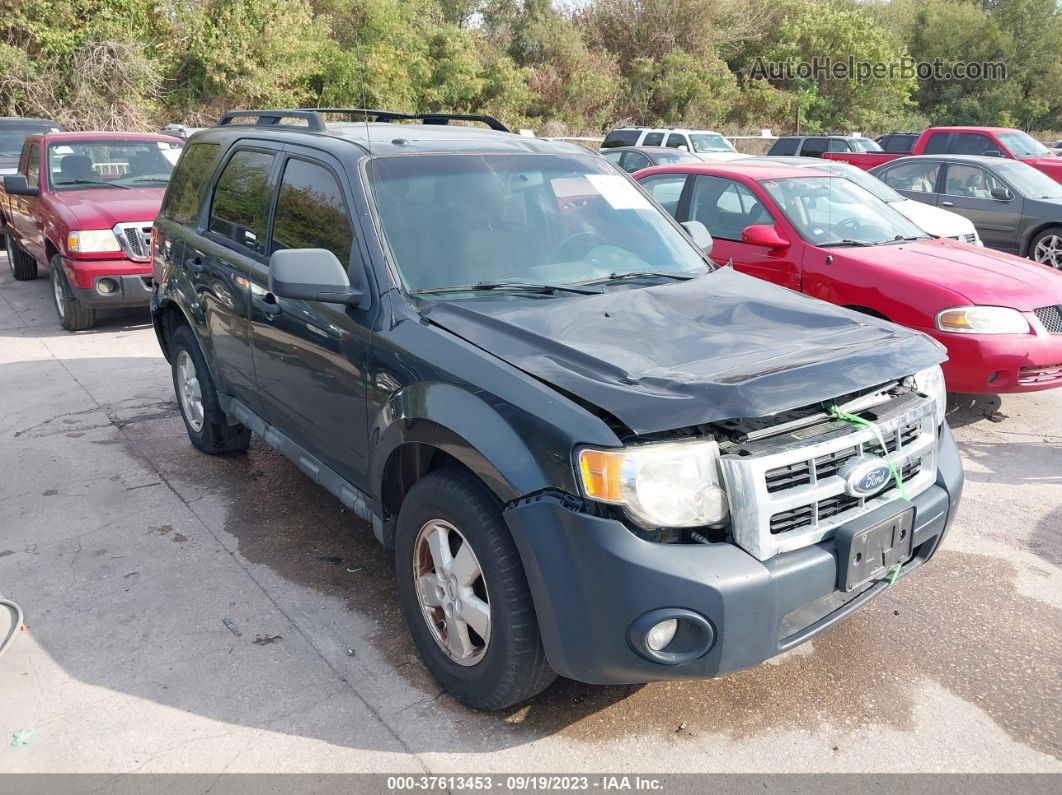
(135, 239)
(1051, 317)
(785, 492)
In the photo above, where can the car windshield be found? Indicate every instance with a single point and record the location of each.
(1022, 145)
(861, 178)
(1029, 182)
(831, 211)
(111, 163)
(865, 145)
(454, 221)
(710, 142)
(12, 138)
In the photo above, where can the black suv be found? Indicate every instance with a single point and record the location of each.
(593, 452)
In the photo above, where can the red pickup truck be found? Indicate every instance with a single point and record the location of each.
(992, 141)
(82, 205)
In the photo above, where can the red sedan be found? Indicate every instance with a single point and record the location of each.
(999, 316)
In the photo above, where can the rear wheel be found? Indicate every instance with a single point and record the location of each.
(1046, 248)
(208, 427)
(23, 266)
(73, 315)
(465, 595)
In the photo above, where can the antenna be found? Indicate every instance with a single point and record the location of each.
(364, 98)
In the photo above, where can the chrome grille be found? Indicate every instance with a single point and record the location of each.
(969, 237)
(1040, 374)
(1051, 317)
(786, 494)
(135, 239)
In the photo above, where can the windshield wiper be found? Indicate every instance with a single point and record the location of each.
(150, 179)
(615, 277)
(846, 242)
(99, 182)
(524, 287)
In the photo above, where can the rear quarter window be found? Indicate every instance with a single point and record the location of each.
(181, 203)
(620, 138)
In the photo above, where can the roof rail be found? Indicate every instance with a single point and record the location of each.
(315, 122)
(427, 118)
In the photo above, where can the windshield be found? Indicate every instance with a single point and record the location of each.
(710, 142)
(111, 163)
(828, 211)
(863, 179)
(1029, 182)
(1022, 145)
(865, 145)
(12, 138)
(464, 220)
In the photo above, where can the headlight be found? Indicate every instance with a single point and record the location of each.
(930, 382)
(673, 484)
(92, 241)
(982, 320)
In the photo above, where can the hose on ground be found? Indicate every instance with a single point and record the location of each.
(16, 613)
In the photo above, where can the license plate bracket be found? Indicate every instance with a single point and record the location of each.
(870, 552)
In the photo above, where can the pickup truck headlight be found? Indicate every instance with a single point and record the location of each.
(982, 320)
(92, 241)
(671, 484)
(930, 382)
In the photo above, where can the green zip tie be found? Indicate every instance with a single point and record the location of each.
(895, 574)
(859, 422)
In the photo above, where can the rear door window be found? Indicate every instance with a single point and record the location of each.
(813, 147)
(666, 189)
(311, 211)
(194, 169)
(918, 176)
(240, 207)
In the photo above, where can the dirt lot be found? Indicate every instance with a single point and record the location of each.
(129, 551)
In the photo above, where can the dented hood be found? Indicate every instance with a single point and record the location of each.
(721, 346)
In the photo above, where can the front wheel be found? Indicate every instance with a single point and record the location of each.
(465, 595)
(1046, 248)
(73, 315)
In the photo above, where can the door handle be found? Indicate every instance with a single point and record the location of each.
(195, 264)
(270, 307)
(947, 204)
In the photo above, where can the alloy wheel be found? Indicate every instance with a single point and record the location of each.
(1049, 251)
(58, 294)
(452, 592)
(189, 391)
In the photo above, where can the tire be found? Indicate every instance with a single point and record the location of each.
(1046, 247)
(73, 315)
(23, 266)
(508, 665)
(208, 427)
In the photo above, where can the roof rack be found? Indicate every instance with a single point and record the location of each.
(315, 122)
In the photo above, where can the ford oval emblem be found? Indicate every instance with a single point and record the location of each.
(865, 476)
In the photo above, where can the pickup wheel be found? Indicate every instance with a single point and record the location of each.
(1046, 247)
(23, 266)
(207, 426)
(465, 595)
(73, 315)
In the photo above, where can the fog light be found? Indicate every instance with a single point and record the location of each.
(662, 634)
(106, 286)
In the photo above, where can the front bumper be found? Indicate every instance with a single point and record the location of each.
(132, 281)
(591, 579)
(1001, 363)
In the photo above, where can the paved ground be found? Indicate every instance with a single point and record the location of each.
(127, 549)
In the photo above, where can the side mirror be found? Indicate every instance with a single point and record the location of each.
(1001, 194)
(313, 274)
(15, 184)
(700, 235)
(683, 148)
(763, 235)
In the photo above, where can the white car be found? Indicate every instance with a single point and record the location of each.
(707, 144)
(935, 221)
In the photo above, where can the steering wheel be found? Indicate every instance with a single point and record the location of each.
(850, 224)
(557, 252)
